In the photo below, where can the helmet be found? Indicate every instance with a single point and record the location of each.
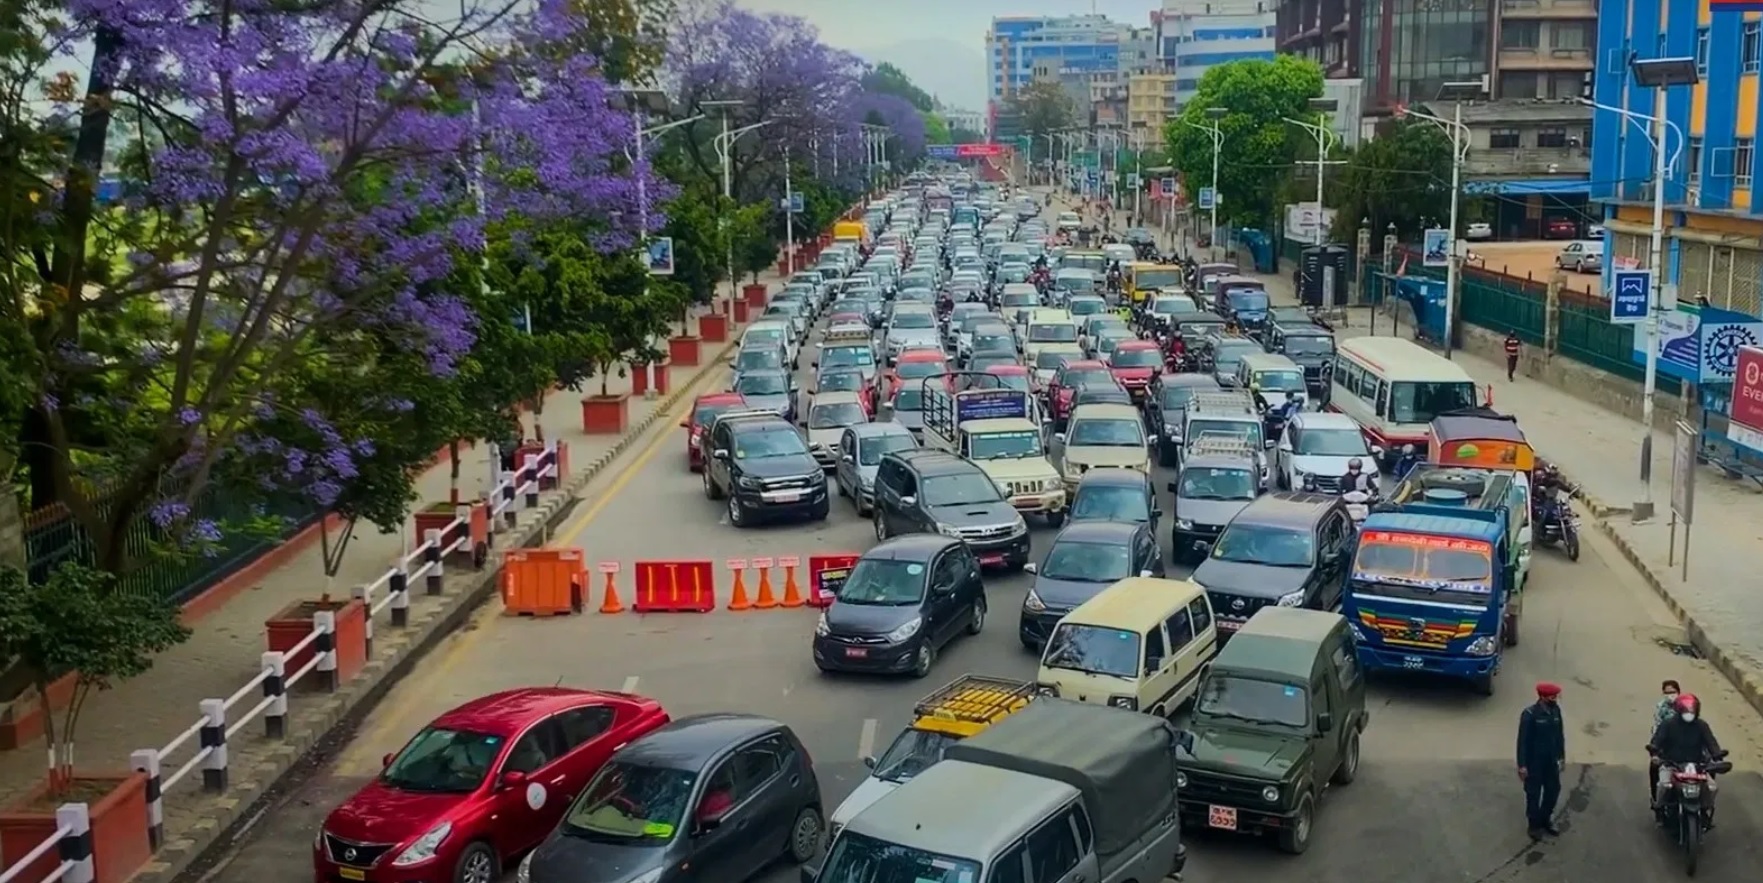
(1687, 703)
(1354, 465)
(1407, 449)
(1254, 387)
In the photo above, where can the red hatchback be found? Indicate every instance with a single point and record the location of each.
(1133, 363)
(482, 784)
(704, 412)
(1064, 385)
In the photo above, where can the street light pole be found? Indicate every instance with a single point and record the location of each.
(1323, 135)
(789, 215)
(1214, 114)
(1456, 92)
(639, 100)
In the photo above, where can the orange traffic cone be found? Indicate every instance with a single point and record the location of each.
(611, 604)
(767, 599)
(738, 600)
(792, 592)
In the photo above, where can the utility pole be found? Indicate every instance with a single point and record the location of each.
(1324, 140)
(1457, 93)
(789, 215)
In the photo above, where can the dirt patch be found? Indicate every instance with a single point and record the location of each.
(1534, 260)
(80, 790)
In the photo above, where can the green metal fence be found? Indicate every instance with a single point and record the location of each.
(1500, 308)
(1586, 335)
(53, 537)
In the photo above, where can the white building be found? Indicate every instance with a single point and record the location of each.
(1195, 35)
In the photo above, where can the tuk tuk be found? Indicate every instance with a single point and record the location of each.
(1479, 437)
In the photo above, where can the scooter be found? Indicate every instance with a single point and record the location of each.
(1358, 505)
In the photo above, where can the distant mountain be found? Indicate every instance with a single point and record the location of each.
(954, 72)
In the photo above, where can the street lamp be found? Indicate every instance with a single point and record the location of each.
(1654, 73)
(724, 145)
(638, 101)
(1213, 116)
(1454, 92)
(1138, 166)
(1324, 135)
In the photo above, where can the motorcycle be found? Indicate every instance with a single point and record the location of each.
(1686, 810)
(1556, 524)
(1359, 505)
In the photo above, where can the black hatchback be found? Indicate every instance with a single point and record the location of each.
(710, 797)
(902, 603)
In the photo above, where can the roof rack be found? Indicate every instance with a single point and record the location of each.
(975, 699)
(747, 414)
(1221, 401)
(1222, 444)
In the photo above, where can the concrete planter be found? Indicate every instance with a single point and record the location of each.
(118, 807)
(605, 415)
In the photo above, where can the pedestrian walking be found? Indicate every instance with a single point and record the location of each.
(1542, 756)
(1511, 355)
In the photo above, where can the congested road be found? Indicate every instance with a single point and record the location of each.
(1437, 798)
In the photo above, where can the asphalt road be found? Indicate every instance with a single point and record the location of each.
(1437, 798)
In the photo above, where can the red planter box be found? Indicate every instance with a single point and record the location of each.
(743, 312)
(117, 805)
(713, 328)
(288, 628)
(640, 378)
(605, 415)
(754, 295)
(21, 721)
(682, 350)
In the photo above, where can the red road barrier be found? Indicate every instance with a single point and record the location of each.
(825, 574)
(543, 582)
(675, 587)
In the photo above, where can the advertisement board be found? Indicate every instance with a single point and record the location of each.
(1745, 421)
(1301, 221)
(1700, 344)
(991, 404)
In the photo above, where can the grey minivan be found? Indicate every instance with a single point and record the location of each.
(860, 454)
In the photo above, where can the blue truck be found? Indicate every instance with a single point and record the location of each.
(1436, 584)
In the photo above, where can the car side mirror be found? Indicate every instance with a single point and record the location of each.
(1147, 574)
(1203, 547)
(511, 779)
(1377, 450)
(685, 423)
(1524, 535)
(1324, 722)
(1059, 436)
(1269, 444)
(720, 454)
(1156, 513)
(1151, 439)
(1172, 487)
(814, 363)
(869, 761)
(909, 500)
(386, 760)
(1031, 568)
(849, 458)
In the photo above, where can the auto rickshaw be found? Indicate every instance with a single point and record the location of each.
(1480, 437)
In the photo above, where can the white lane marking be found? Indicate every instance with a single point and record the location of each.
(630, 685)
(866, 739)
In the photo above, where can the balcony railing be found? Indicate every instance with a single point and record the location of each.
(1548, 9)
(1537, 58)
(1517, 161)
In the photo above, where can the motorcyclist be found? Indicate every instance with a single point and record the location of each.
(1681, 740)
(1358, 480)
(1261, 403)
(1407, 461)
(1114, 276)
(1290, 407)
(1041, 263)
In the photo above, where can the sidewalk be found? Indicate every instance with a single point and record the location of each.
(1600, 452)
(224, 653)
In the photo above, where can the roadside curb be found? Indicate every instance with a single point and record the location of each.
(198, 822)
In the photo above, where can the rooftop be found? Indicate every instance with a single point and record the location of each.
(1514, 111)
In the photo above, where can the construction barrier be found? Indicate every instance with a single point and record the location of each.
(543, 582)
(825, 574)
(675, 587)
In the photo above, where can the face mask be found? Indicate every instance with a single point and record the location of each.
(1689, 717)
(1670, 696)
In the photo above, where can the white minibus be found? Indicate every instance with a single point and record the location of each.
(1393, 388)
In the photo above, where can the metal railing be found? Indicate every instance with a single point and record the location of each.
(71, 841)
(512, 492)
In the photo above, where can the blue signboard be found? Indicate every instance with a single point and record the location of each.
(1700, 344)
(796, 203)
(1629, 296)
(991, 404)
(941, 151)
(1207, 195)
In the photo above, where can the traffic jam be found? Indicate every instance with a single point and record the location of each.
(1227, 520)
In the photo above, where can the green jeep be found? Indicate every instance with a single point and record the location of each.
(1276, 721)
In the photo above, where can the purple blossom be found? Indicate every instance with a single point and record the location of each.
(189, 417)
(166, 513)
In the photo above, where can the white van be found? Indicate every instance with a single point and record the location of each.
(1142, 644)
(1393, 388)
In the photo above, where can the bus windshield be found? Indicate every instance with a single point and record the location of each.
(1421, 567)
(1421, 401)
(1170, 278)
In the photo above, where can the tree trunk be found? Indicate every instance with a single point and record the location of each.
(538, 414)
(453, 474)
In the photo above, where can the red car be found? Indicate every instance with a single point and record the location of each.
(1133, 364)
(911, 367)
(484, 783)
(1064, 385)
(704, 412)
(1015, 377)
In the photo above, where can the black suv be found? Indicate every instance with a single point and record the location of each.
(1166, 407)
(1308, 344)
(1284, 550)
(760, 463)
(929, 491)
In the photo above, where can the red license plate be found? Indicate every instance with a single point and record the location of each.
(991, 559)
(1225, 625)
(1223, 818)
(857, 652)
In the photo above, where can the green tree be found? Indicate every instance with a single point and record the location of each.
(936, 129)
(1043, 108)
(890, 80)
(627, 37)
(1400, 177)
(1258, 145)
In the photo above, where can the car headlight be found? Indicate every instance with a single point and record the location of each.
(425, 846)
(1181, 779)
(1485, 645)
(820, 627)
(524, 873)
(1293, 599)
(1270, 794)
(1033, 603)
(1130, 703)
(949, 530)
(1183, 524)
(751, 484)
(1020, 527)
(904, 632)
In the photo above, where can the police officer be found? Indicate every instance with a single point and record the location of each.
(1542, 756)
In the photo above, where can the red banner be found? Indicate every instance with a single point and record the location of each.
(1425, 541)
(967, 150)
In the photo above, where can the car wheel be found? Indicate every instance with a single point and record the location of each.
(926, 657)
(805, 836)
(1579, 267)
(1349, 768)
(881, 527)
(710, 490)
(477, 864)
(821, 511)
(1054, 519)
(976, 618)
(1295, 839)
(736, 515)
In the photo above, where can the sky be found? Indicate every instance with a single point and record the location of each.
(940, 44)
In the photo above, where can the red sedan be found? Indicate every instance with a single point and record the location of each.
(482, 784)
(1063, 388)
(1133, 363)
(911, 367)
(1014, 377)
(704, 412)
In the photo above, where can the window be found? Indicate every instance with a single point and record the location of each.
(1200, 614)
(1154, 650)
(535, 749)
(582, 724)
(1052, 849)
(1085, 833)
(757, 763)
(1569, 35)
(1742, 155)
(1552, 137)
(1009, 866)
(1520, 35)
(1693, 162)
(1499, 139)
(1345, 660)
(1383, 396)
(1751, 47)
(1518, 84)
(1702, 51)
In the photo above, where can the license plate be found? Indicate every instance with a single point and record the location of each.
(991, 559)
(1413, 662)
(856, 652)
(1223, 818)
(1225, 625)
(351, 874)
(787, 498)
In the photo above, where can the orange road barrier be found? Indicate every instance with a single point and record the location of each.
(766, 600)
(825, 574)
(792, 592)
(737, 599)
(675, 587)
(610, 603)
(543, 582)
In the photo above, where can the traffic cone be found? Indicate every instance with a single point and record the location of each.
(611, 604)
(792, 592)
(767, 599)
(738, 600)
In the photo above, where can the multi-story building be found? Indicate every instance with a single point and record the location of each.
(1545, 48)
(1150, 101)
(1327, 32)
(1713, 218)
(1089, 43)
(1196, 35)
(967, 120)
(1530, 158)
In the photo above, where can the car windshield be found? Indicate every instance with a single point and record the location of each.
(1265, 544)
(1110, 503)
(766, 443)
(857, 858)
(835, 415)
(1174, 397)
(914, 320)
(1094, 649)
(840, 381)
(1332, 443)
(1309, 346)
(443, 761)
(1050, 360)
(1227, 357)
(1013, 381)
(912, 753)
(1280, 380)
(750, 359)
(993, 342)
(1413, 402)
(1021, 298)
(1253, 701)
(1111, 433)
(873, 448)
(1087, 307)
(1136, 358)
(847, 356)
(767, 336)
(765, 384)
(1014, 273)
(1418, 567)
(1170, 278)
(966, 489)
(1248, 429)
(922, 368)
(1053, 333)
(910, 398)
(1170, 306)
(1088, 562)
(1218, 483)
(1251, 300)
(1004, 445)
(883, 582)
(628, 803)
(1074, 377)
(707, 414)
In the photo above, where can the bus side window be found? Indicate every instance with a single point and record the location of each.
(1383, 398)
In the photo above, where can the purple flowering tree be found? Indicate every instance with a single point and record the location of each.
(906, 142)
(306, 190)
